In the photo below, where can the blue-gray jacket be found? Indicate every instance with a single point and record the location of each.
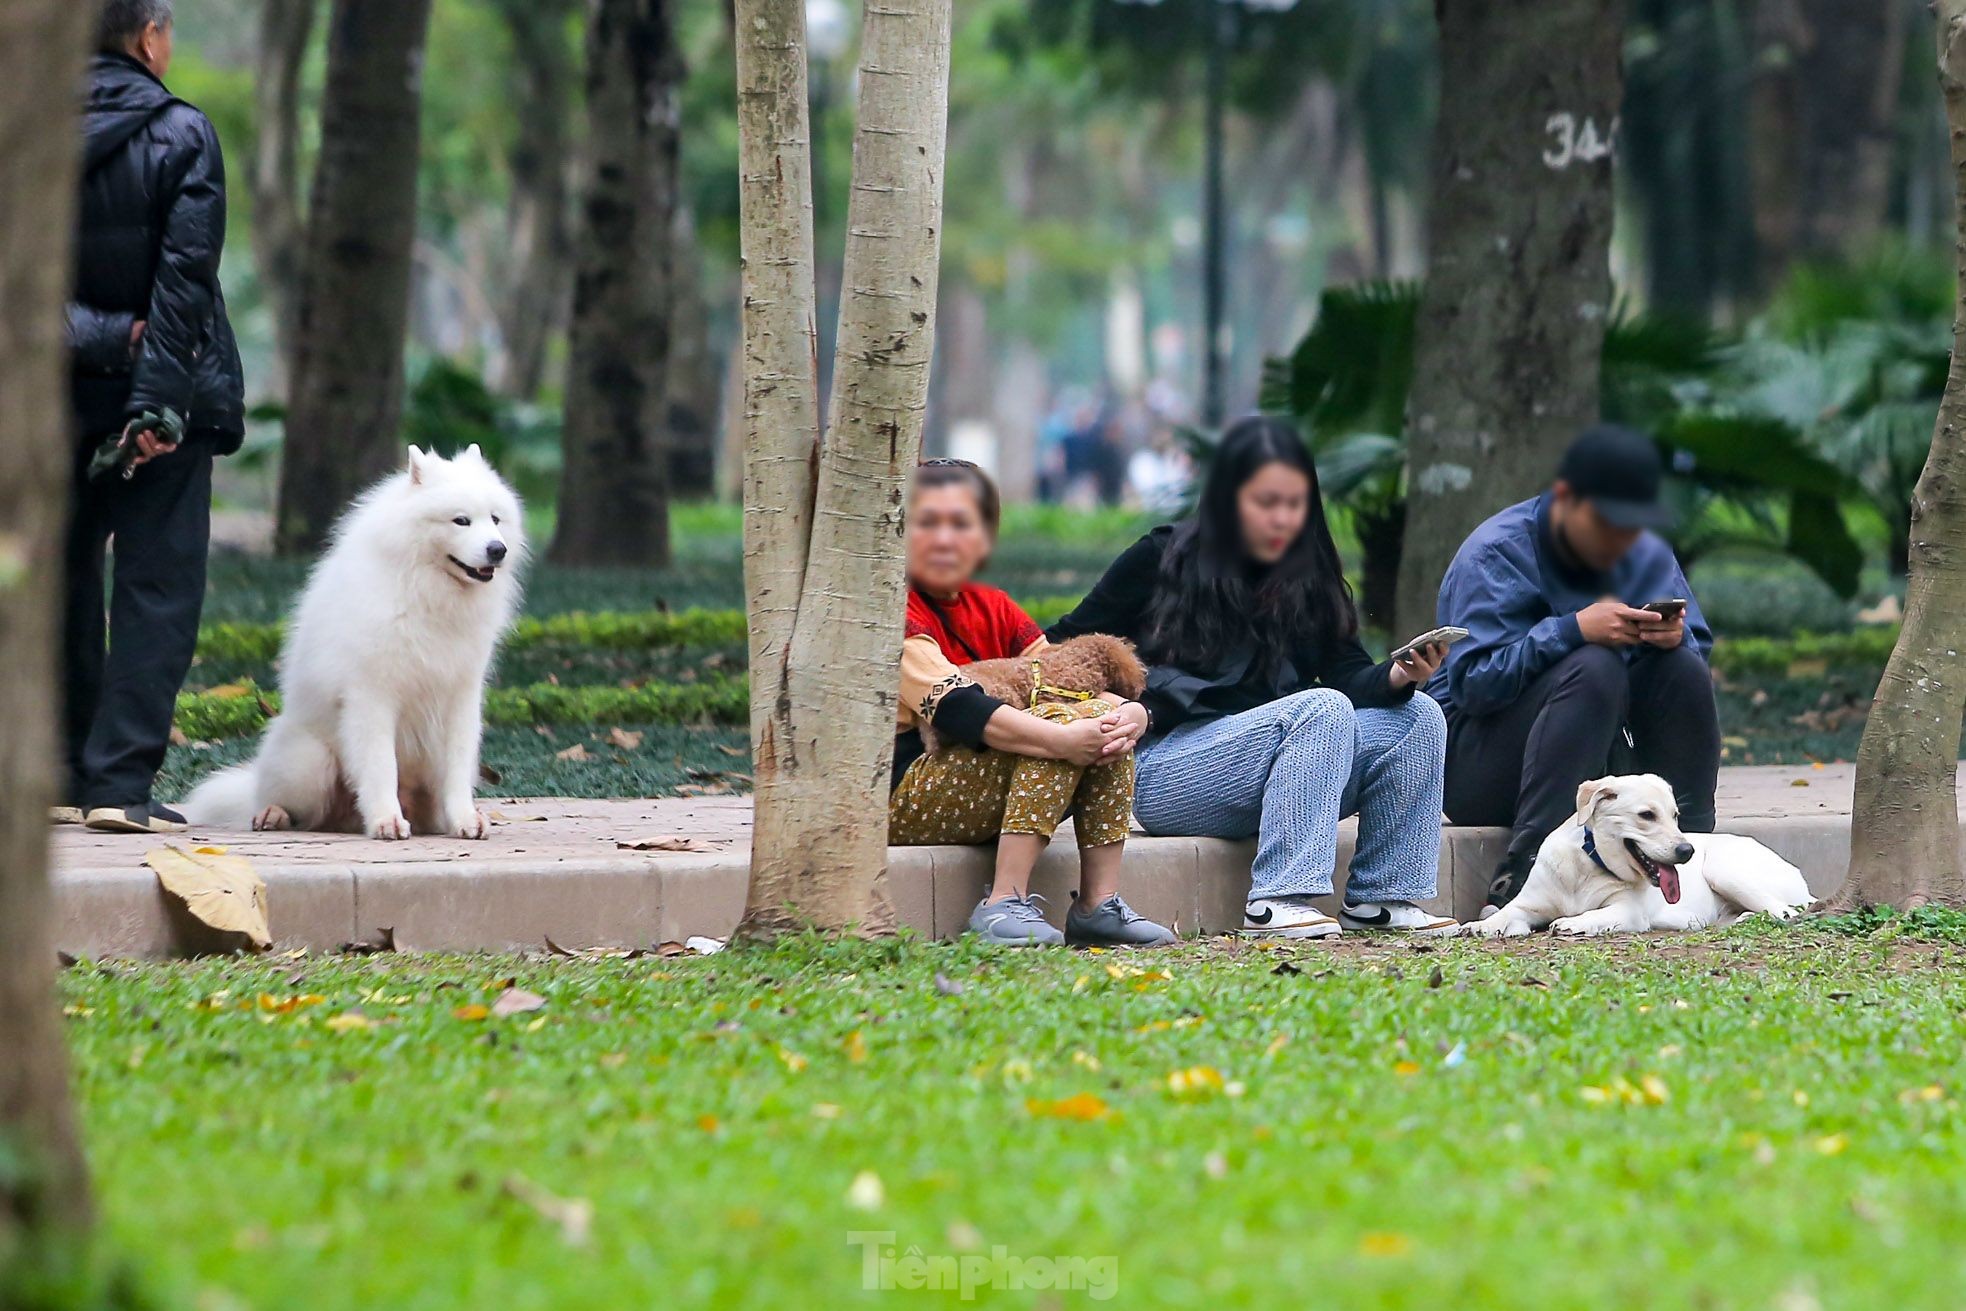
(1519, 603)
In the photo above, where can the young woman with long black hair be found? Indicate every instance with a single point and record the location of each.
(1267, 718)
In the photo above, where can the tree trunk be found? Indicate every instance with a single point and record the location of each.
(614, 482)
(1511, 324)
(538, 248)
(1381, 538)
(694, 390)
(347, 404)
(1825, 122)
(285, 27)
(44, 1191)
(823, 677)
(1904, 831)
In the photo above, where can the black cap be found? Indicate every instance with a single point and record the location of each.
(1618, 470)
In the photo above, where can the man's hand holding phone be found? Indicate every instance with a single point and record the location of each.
(1666, 626)
(1613, 623)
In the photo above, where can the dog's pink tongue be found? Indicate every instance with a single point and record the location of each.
(1669, 883)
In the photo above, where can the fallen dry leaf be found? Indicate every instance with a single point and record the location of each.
(574, 1215)
(577, 752)
(624, 739)
(736, 753)
(220, 889)
(474, 1011)
(704, 790)
(1079, 1106)
(865, 1193)
(669, 842)
(516, 1001)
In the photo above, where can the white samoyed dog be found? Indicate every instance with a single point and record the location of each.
(384, 664)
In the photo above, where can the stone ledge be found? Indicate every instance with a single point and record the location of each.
(636, 899)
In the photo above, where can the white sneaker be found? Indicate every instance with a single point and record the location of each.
(1398, 917)
(1286, 917)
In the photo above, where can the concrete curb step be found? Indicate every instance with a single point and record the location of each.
(484, 900)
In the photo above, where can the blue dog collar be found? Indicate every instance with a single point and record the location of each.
(1590, 849)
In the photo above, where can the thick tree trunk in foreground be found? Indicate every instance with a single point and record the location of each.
(826, 610)
(539, 251)
(1904, 832)
(284, 29)
(614, 484)
(1511, 326)
(347, 392)
(1824, 124)
(44, 1188)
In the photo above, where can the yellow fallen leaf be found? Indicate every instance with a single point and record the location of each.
(793, 1061)
(1654, 1090)
(708, 1123)
(1277, 1044)
(477, 1010)
(1086, 1060)
(1195, 1081)
(230, 691)
(288, 1005)
(1931, 1092)
(347, 1022)
(825, 1111)
(1406, 1069)
(1384, 1244)
(856, 1047)
(1832, 1144)
(221, 890)
(1079, 1106)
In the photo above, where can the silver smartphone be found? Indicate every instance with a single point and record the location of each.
(1447, 636)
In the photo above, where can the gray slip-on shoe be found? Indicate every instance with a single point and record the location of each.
(1014, 922)
(1113, 923)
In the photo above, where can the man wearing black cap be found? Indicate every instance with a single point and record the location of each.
(1565, 676)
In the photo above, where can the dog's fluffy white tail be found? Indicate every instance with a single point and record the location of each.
(223, 800)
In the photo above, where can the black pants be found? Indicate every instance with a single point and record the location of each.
(1521, 765)
(119, 701)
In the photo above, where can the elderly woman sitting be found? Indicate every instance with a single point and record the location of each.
(1006, 775)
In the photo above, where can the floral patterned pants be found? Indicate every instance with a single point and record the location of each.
(961, 795)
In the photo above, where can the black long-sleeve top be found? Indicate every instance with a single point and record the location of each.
(1121, 602)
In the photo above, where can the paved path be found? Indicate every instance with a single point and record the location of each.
(590, 873)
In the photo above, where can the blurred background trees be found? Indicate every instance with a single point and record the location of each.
(1776, 186)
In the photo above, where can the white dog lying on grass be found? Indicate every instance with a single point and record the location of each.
(384, 664)
(1622, 866)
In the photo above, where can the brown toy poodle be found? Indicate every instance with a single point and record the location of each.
(1094, 665)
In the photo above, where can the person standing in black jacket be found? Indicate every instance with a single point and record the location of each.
(1267, 719)
(153, 361)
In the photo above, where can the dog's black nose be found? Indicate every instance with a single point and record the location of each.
(1683, 852)
(495, 552)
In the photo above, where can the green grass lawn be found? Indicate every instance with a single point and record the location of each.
(1756, 1119)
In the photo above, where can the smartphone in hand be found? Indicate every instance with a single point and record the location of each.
(1667, 610)
(1447, 636)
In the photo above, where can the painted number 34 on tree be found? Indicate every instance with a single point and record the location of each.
(1574, 140)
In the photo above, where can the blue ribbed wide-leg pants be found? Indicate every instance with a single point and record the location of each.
(1285, 773)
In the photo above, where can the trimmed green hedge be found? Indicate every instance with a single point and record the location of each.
(1863, 648)
(607, 630)
(207, 716)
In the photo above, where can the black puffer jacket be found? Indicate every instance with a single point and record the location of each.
(152, 227)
